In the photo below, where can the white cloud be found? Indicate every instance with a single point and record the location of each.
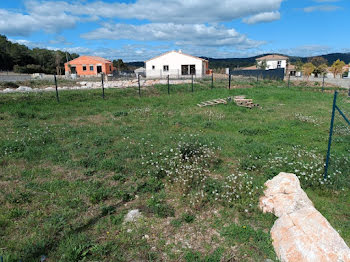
(18, 24)
(324, 8)
(326, 1)
(181, 34)
(262, 17)
(176, 11)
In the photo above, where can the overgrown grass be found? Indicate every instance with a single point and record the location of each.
(70, 171)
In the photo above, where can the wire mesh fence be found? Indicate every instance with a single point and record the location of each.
(339, 137)
(172, 82)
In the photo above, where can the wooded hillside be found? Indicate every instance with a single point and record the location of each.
(20, 59)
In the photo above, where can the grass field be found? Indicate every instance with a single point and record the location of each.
(69, 172)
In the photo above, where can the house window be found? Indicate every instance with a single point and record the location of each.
(91, 68)
(84, 67)
(184, 70)
(279, 63)
(153, 67)
(166, 68)
(188, 69)
(192, 69)
(73, 69)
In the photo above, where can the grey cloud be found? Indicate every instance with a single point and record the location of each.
(324, 8)
(181, 34)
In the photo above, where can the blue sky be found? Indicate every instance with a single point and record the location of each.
(140, 29)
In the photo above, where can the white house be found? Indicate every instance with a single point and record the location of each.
(176, 64)
(140, 71)
(274, 61)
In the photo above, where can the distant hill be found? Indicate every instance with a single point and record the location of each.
(136, 64)
(249, 61)
(244, 62)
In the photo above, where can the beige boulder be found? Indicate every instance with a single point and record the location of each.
(301, 233)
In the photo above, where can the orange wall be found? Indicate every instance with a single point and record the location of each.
(107, 68)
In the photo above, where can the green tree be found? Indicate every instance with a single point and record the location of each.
(299, 65)
(120, 65)
(308, 68)
(337, 67)
(320, 64)
(20, 58)
(261, 64)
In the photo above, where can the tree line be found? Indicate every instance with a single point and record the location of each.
(20, 59)
(319, 67)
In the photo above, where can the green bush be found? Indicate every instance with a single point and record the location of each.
(8, 85)
(158, 206)
(188, 217)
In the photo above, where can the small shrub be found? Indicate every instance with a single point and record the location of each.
(74, 248)
(126, 195)
(118, 219)
(90, 172)
(152, 185)
(17, 198)
(158, 206)
(98, 195)
(188, 217)
(3, 223)
(17, 213)
(119, 177)
(176, 223)
(107, 210)
(8, 85)
(117, 114)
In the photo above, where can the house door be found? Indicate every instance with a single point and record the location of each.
(99, 69)
(73, 70)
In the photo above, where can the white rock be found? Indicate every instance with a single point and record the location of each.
(301, 233)
(132, 215)
(24, 89)
(9, 90)
(49, 88)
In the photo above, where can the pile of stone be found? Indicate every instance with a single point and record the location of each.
(96, 85)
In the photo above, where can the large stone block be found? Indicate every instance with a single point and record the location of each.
(301, 233)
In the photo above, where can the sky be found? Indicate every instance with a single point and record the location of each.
(141, 29)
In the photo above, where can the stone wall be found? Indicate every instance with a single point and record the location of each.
(14, 78)
(341, 82)
(84, 85)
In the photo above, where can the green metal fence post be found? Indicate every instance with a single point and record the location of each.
(323, 82)
(330, 135)
(229, 78)
(192, 83)
(138, 78)
(212, 81)
(57, 97)
(103, 87)
(289, 80)
(168, 86)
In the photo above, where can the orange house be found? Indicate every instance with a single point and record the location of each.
(89, 66)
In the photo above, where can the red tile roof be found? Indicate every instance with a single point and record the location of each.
(272, 57)
(96, 58)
